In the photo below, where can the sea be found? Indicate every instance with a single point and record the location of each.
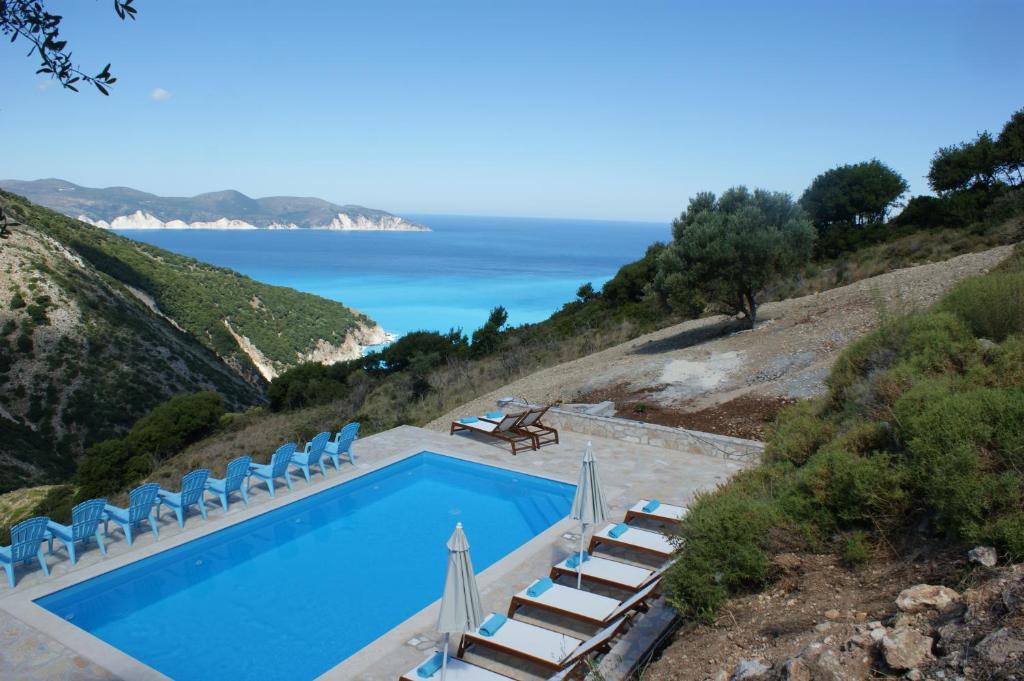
(447, 278)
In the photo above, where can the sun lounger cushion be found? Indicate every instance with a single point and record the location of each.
(612, 571)
(573, 561)
(457, 671)
(573, 601)
(539, 587)
(536, 642)
(495, 414)
(493, 624)
(651, 505)
(468, 419)
(618, 530)
(430, 667)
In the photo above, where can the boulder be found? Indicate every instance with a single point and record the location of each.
(750, 670)
(983, 555)
(824, 663)
(1001, 646)
(794, 669)
(906, 648)
(926, 597)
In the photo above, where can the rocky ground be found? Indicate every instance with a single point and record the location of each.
(823, 622)
(713, 374)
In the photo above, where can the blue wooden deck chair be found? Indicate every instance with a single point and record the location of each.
(312, 454)
(85, 523)
(277, 468)
(193, 485)
(26, 543)
(237, 472)
(342, 444)
(140, 507)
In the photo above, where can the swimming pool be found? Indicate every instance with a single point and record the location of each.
(292, 592)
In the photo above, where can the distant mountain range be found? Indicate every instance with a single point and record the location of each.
(127, 208)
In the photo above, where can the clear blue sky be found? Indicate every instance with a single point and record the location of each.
(572, 109)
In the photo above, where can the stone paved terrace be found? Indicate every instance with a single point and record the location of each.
(36, 645)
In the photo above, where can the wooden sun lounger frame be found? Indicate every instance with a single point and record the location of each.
(512, 436)
(631, 515)
(470, 638)
(558, 571)
(641, 604)
(596, 540)
(543, 435)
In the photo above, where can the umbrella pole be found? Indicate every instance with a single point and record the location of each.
(579, 567)
(444, 659)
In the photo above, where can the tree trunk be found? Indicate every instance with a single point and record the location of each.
(751, 308)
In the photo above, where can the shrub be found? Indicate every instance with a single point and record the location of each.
(838, 489)
(992, 306)
(924, 343)
(797, 433)
(112, 465)
(725, 538)
(857, 548)
(966, 450)
(176, 423)
(57, 503)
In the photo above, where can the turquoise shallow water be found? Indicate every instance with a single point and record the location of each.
(293, 592)
(447, 278)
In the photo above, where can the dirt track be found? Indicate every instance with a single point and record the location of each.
(702, 363)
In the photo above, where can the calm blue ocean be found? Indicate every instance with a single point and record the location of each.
(450, 277)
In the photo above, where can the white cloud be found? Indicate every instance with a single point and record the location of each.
(160, 95)
(45, 85)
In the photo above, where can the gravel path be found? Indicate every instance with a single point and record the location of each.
(708, 361)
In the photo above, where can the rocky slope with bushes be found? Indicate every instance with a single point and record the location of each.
(915, 450)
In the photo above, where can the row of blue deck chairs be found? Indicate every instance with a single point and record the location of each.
(145, 502)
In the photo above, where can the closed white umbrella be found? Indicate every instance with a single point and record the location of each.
(588, 506)
(460, 603)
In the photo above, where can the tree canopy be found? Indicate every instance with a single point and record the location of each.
(983, 163)
(858, 194)
(29, 20)
(729, 248)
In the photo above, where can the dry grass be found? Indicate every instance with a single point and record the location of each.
(17, 505)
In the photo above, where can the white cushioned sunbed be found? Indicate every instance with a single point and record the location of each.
(636, 538)
(546, 647)
(457, 671)
(582, 605)
(666, 512)
(607, 571)
(569, 600)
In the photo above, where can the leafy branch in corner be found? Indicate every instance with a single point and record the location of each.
(28, 19)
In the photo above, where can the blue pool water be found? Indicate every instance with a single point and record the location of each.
(450, 277)
(293, 592)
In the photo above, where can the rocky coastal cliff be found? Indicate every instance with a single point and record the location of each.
(341, 222)
(127, 208)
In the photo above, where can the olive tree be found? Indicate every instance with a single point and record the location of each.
(728, 249)
(857, 194)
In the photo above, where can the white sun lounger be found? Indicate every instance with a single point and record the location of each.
(539, 645)
(653, 543)
(607, 571)
(663, 513)
(582, 605)
(460, 670)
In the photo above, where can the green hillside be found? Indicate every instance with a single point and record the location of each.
(281, 323)
(96, 330)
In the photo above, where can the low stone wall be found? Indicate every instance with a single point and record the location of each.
(690, 441)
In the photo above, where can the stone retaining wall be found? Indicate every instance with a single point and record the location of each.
(691, 441)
